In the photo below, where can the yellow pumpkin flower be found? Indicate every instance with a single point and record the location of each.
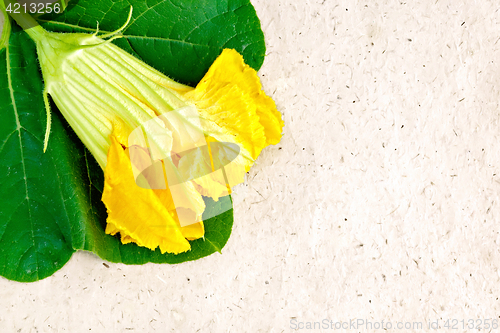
(162, 145)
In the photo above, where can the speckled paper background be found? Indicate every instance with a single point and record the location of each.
(381, 203)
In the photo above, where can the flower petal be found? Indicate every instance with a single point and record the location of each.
(230, 70)
(137, 213)
(191, 231)
(196, 166)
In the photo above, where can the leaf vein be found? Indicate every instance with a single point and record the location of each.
(165, 39)
(210, 19)
(6, 139)
(18, 129)
(144, 12)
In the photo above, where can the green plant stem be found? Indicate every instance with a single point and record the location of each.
(29, 24)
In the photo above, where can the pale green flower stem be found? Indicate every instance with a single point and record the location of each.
(29, 24)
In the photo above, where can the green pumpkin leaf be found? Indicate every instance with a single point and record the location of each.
(51, 201)
(40, 199)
